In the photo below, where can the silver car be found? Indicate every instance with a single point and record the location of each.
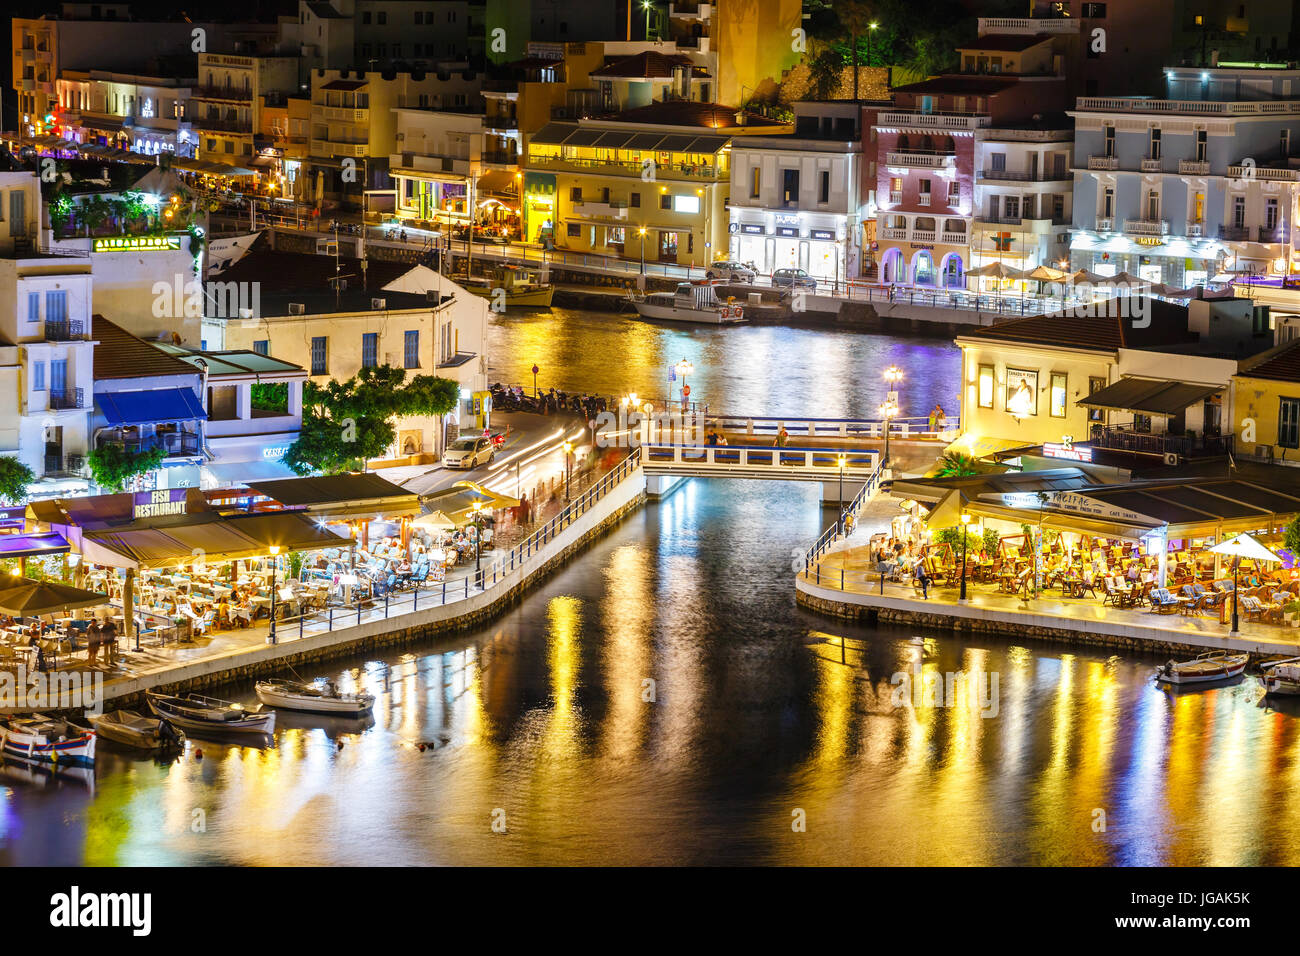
(468, 453)
(730, 271)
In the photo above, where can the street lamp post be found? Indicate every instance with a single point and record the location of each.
(275, 551)
(965, 524)
(871, 28)
(840, 525)
(568, 467)
(685, 368)
(641, 232)
(478, 535)
(888, 410)
(646, 4)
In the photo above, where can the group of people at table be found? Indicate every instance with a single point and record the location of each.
(1114, 574)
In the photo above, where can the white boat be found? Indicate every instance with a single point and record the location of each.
(136, 730)
(318, 698)
(47, 739)
(1281, 677)
(197, 714)
(692, 302)
(1211, 666)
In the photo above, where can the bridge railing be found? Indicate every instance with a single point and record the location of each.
(903, 428)
(857, 463)
(836, 531)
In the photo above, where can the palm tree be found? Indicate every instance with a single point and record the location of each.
(954, 464)
(856, 16)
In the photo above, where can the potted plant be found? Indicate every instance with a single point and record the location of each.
(1291, 614)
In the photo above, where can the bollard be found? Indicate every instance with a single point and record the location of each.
(331, 617)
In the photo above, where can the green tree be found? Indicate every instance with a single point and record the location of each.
(954, 464)
(332, 445)
(14, 479)
(1291, 536)
(112, 466)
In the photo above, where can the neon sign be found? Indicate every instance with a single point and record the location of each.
(138, 244)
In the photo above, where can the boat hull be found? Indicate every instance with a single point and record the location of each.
(1206, 675)
(307, 704)
(531, 299)
(673, 313)
(143, 739)
(253, 724)
(75, 751)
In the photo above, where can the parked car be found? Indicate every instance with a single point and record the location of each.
(793, 279)
(468, 453)
(730, 271)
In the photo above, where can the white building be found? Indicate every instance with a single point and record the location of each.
(46, 348)
(795, 200)
(143, 114)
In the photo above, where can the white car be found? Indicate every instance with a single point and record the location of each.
(468, 453)
(730, 271)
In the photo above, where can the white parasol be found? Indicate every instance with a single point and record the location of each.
(1242, 546)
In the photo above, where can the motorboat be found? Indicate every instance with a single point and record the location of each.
(197, 714)
(513, 286)
(321, 697)
(136, 730)
(692, 302)
(1211, 666)
(1281, 677)
(47, 739)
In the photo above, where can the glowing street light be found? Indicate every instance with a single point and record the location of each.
(965, 523)
(568, 467)
(685, 368)
(641, 232)
(842, 461)
(888, 411)
(275, 551)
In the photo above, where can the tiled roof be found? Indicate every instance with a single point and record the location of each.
(1006, 43)
(1281, 364)
(120, 354)
(648, 65)
(690, 113)
(294, 271)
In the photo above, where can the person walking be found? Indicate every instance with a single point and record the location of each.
(782, 438)
(92, 642)
(922, 578)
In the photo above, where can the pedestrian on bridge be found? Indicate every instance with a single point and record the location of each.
(782, 438)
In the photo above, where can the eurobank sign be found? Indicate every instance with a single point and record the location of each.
(137, 244)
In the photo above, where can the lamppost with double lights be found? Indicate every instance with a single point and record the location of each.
(275, 553)
(641, 232)
(965, 524)
(685, 368)
(568, 467)
(478, 535)
(888, 411)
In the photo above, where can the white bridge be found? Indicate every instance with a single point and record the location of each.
(842, 472)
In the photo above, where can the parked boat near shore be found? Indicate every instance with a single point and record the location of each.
(197, 714)
(136, 730)
(315, 698)
(1281, 677)
(1211, 666)
(47, 739)
(692, 302)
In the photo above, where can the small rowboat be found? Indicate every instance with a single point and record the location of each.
(197, 714)
(1282, 677)
(47, 739)
(135, 730)
(319, 698)
(1211, 666)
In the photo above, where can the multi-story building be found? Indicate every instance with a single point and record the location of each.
(387, 314)
(1197, 185)
(103, 36)
(438, 166)
(137, 112)
(228, 101)
(650, 182)
(795, 199)
(46, 347)
(1267, 395)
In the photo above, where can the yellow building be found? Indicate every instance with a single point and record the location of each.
(652, 181)
(754, 44)
(1267, 397)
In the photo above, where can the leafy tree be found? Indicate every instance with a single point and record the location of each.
(14, 479)
(346, 423)
(270, 396)
(112, 466)
(1291, 536)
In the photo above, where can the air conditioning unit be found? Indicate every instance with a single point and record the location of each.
(1171, 458)
(297, 308)
(378, 303)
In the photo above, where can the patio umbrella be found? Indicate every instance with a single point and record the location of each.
(1242, 546)
(1045, 274)
(1084, 277)
(434, 521)
(30, 598)
(996, 270)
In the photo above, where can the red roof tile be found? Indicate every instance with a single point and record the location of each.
(649, 64)
(1281, 364)
(120, 354)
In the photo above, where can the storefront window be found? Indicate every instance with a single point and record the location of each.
(986, 386)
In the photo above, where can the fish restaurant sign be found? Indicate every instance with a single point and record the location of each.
(156, 504)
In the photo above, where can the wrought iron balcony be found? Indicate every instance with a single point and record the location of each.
(61, 398)
(64, 330)
(57, 466)
(1146, 443)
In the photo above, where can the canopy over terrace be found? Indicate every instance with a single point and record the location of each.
(1149, 396)
(339, 496)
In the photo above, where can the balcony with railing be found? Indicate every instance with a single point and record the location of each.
(893, 232)
(953, 238)
(176, 444)
(1024, 176)
(1149, 165)
(895, 196)
(333, 147)
(1265, 174)
(920, 159)
(1146, 227)
(218, 125)
(1196, 230)
(1105, 224)
(923, 235)
(1103, 162)
(66, 398)
(339, 114)
(680, 170)
(1138, 104)
(500, 121)
(1194, 167)
(226, 93)
(1275, 234)
(64, 330)
(1125, 438)
(917, 119)
(500, 157)
(1235, 233)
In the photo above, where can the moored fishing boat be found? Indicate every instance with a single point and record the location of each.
(692, 302)
(317, 698)
(136, 730)
(197, 714)
(1281, 677)
(47, 739)
(1211, 666)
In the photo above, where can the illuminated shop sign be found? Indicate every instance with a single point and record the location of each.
(155, 504)
(138, 244)
(824, 234)
(1067, 452)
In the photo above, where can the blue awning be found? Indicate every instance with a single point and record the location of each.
(150, 405)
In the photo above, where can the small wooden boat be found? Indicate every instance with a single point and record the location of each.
(47, 739)
(1281, 677)
(197, 714)
(1211, 666)
(317, 698)
(136, 730)
(511, 285)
